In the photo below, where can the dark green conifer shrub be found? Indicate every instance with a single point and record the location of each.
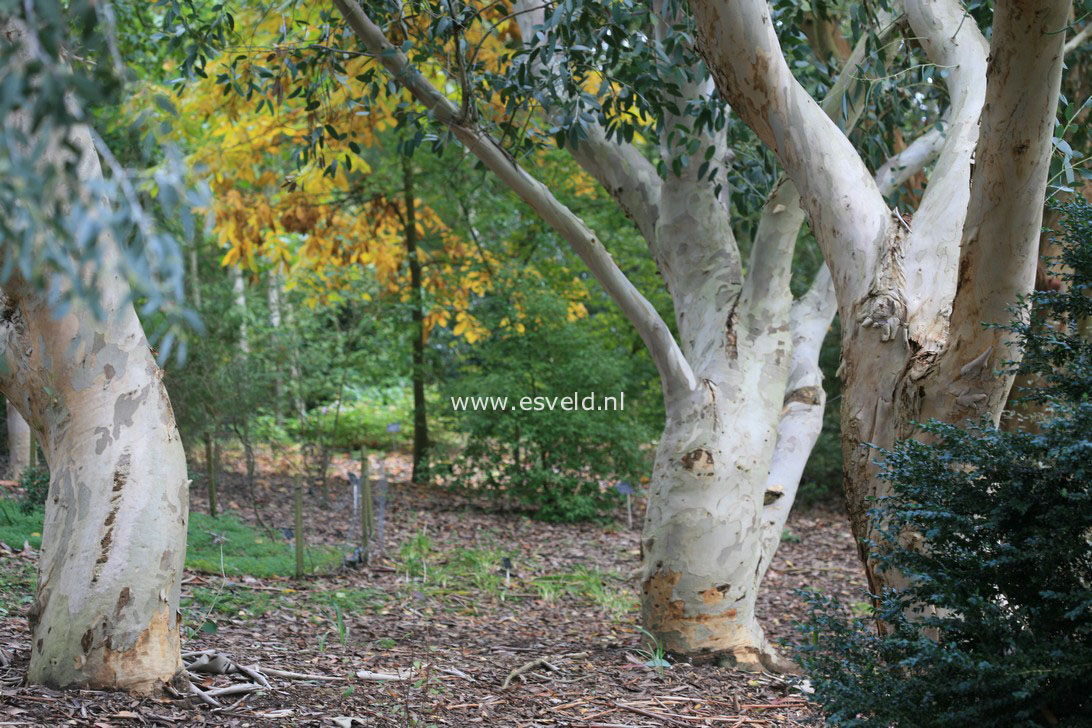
(1006, 571)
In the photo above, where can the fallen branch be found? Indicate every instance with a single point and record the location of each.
(234, 689)
(384, 676)
(254, 674)
(288, 675)
(543, 661)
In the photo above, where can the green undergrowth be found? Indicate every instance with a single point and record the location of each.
(242, 550)
(18, 527)
(480, 572)
(215, 545)
(16, 585)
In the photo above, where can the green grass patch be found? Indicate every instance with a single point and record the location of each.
(244, 549)
(17, 527)
(607, 589)
(479, 571)
(350, 601)
(248, 551)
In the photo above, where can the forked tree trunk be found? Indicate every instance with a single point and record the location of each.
(743, 411)
(914, 297)
(105, 613)
(18, 442)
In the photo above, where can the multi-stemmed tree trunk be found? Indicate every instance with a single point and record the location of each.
(742, 386)
(914, 296)
(105, 613)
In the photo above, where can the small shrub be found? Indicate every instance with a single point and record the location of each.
(560, 465)
(35, 484)
(995, 625)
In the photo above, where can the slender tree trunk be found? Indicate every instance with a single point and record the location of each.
(19, 442)
(420, 415)
(212, 466)
(238, 285)
(195, 278)
(274, 294)
(298, 510)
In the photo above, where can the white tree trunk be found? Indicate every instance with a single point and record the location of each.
(914, 297)
(702, 535)
(713, 507)
(19, 442)
(114, 541)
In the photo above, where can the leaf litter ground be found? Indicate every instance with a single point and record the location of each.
(428, 634)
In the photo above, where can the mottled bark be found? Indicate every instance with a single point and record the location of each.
(114, 540)
(913, 297)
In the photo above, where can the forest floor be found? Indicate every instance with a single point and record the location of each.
(428, 633)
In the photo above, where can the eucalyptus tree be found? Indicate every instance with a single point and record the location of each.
(76, 363)
(914, 292)
(741, 383)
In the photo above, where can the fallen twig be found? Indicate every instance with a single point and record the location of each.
(205, 696)
(543, 661)
(234, 689)
(649, 713)
(384, 676)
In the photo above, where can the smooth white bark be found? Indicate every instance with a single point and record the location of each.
(114, 540)
(913, 342)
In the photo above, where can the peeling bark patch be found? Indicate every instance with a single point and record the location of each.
(121, 476)
(805, 395)
(659, 588)
(87, 640)
(164, 561)
(123, 599)
(714, 594)
(99, 344)
(125, 407)
(150, 662)
(696, 458)
(772, 495)
(108, 372)
(104, 440)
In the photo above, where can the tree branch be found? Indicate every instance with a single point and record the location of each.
(1075, 42)
(675, 372)
(805, 399)
(620, 167)
(952, 41)
(779, 226)
(847, 213)
(1005, 212)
